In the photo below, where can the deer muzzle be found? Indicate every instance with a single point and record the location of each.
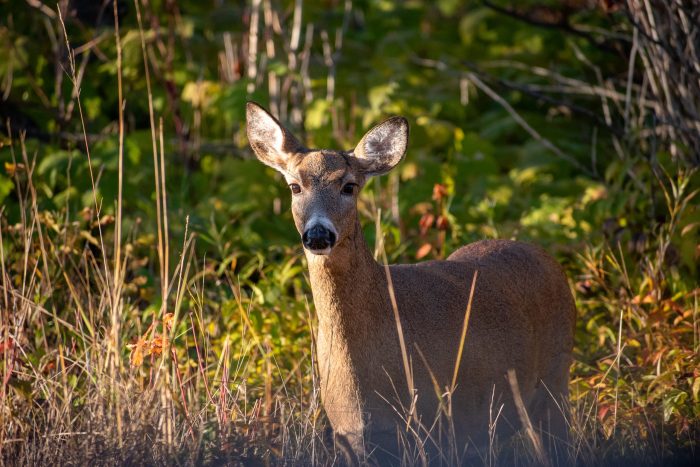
(318, 239)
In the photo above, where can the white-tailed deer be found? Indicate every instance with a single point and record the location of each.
(522, 314)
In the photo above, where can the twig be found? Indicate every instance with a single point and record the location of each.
(253, 45)
(272, 81)
(562, 25)
(526, 126)
(471, 76)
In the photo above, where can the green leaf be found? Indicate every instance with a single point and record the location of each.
(6, 187)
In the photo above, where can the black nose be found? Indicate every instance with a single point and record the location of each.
(318, 238)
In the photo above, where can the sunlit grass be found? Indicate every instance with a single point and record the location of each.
(224, 368)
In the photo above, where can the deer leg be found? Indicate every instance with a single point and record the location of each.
(550, 409)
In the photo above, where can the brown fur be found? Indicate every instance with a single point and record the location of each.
(522, 316)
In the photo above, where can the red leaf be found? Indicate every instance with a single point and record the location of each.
(426, 222)
(439, 191)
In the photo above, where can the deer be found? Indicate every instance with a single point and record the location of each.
(521, 319)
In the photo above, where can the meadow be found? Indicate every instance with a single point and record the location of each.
(155, 302)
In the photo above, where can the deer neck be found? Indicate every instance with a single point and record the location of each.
(349, 288)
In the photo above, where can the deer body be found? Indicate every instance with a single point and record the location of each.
(522, 314)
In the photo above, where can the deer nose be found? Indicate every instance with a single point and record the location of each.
(318, 237)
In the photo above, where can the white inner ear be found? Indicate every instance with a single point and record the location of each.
(271, 133)
(378, 142)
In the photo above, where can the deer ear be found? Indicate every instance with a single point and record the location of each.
(383, 146)
(272, 143)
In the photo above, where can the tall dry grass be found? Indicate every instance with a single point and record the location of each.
(75, 390)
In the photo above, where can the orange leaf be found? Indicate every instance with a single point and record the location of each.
(439, 191)
(168, 319)
(105, 220)
(156, 345)
(12, 168)
(49, 367)
(424, 250)
(426, 221)
(137, 349)
(6, 345)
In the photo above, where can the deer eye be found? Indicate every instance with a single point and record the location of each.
(348, 188)
(296, 189)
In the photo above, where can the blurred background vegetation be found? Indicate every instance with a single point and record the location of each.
(154, 299)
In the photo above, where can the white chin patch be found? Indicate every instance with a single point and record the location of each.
(324, 252)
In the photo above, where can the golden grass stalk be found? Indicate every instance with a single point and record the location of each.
(395, 307)
(115, 360)
(463, 337)
(114, 284)
(530, 432)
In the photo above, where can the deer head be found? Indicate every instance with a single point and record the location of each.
(325, 183)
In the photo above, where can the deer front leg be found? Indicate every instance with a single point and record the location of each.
(345, 416)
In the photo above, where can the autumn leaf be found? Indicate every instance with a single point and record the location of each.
(6, 345)
(155, 346)
(12, 168)
(137, 352)
(424, 250)
(426, 221)
(104, 220)
(439, 191)
(638, 299)
(168, 320)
